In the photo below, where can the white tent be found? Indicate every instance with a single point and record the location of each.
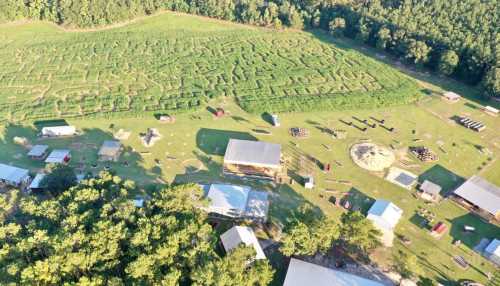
(385, 216)
(242, 235)
(58, 131)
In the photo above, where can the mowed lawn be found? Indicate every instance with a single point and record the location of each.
(173, 62)
(191, 149)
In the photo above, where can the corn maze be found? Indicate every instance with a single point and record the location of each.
(133, 72)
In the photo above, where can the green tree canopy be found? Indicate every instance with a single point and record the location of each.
(491, 83)
(358, 233)
(448, 62)
(60, 178)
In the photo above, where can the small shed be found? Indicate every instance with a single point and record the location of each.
(38, 152)
(309, 182)
(451, 96)
(110, 151)
(35, 185)
(492, 251)
(430, 191)
(238, 235)
(58, 131)
(59, 156)
(491, 110)
(13, 176)
(138, 202)
(275, 120)
(385, 216)
(439, 229)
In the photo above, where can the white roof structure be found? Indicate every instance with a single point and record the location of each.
(139, 203)
(242, 234)
(64, 130)
(491, 109)
(38, 150)
(237, 201)
(253, 153)
(384, 214)
(492, 251)
(35, 183)
(13, 175)
(301, 273)
(450, 95)
(57, 156)
(430, 188)
(481, 193)
(110, 148)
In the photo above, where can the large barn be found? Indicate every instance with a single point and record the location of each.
(481, 197)
(252, 159)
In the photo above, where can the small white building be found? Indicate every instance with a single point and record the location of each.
(385, 216)
(38, 152)
(13, 176)
(302, 273)
(430, 191)
(451, 96)
(59, 156)
(309, 182)
(492, 251)
(58, 131)
(242, 235)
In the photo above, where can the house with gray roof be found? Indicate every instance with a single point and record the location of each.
(110, 150)
(480, 196)
(252, 159)
(38, 152)
(59, 156)
(430, 191)
(13, 176)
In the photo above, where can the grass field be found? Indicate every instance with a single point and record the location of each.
(192, 148)
(175, 63)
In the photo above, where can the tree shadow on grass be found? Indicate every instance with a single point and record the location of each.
(214, 141)
(471, 239)
(443, 177)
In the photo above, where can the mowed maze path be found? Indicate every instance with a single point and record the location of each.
(174, 62)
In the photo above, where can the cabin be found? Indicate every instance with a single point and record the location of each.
(491, 110)
(38, 152)
(110, 151)
(385, 216)
(58, 131)
(237, 202)
(252, 159)
(238, 235)
(35, 185)
(302, 273)
(13, 176)
(430, 191)
(480, 197)
(59, 156)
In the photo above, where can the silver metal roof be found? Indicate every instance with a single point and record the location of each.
(35, 184)
(57, 156)
(12, 174)
(302, 273)
(38, 150)
(253, 153)
(242, 234)
(430, 188)
(481, 193)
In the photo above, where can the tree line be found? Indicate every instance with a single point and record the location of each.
(454, 37)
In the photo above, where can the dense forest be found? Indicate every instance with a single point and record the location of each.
(454, 37)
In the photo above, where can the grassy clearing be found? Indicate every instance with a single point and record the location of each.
(191, 150)
(175, 63)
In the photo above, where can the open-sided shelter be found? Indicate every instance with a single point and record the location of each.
(252, 159)
(59, 156)
(237, 201)
(38, 152)
(13, 176)
(35, 184)
(238, 235)
(480, 196)
(430, 191)
(302, 273)
(110, 150)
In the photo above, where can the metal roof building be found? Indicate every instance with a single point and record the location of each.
(242, 235)
(35, 183)
(13, 175)
(253, 153)
(237, 201)
(58, 156)
(492, 251)
(38, 150)
(301, 273)
(430, 190)
(110, 150)
(481, 193)
(385, 214)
